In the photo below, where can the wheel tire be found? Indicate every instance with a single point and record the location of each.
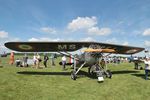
(73, 75)
(109, 74)
(90, 72)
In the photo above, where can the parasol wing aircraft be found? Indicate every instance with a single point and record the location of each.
(89, 58)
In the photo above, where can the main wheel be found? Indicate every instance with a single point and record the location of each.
(109, 74)
(73, 75)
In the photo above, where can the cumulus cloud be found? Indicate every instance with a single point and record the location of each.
(8, 39)
(3, 34)
(146, 32)
(120, 22)
(116, 41)
(89, 25)
(33, 39)
(147, 43)
(113, 40)
(125, 43)
(82, 23)
(98, 31)
(3, 48)
(87, 39)
(48, 30)
(43, 39)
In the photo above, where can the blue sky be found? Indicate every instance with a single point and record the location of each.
(125, 22)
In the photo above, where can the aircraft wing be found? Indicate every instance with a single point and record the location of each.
(70, 46)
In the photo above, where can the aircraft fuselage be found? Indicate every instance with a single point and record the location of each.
(89, 58)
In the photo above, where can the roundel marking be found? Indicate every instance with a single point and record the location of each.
(25, 47)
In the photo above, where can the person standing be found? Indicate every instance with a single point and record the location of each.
(25, 60)
(38, 60)
(45, 60)
(11, 61)
(71, 61)
(34, 60)
(18, 62)
(135, 59)
(52, 59)
(103, 63)
(63, 61)
(147, 67)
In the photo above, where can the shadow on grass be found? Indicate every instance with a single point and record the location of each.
(124, 72)
(43, 73)
(1, 66)
(139, 75)
(80, 74)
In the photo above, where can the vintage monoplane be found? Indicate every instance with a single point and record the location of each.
(89, 58)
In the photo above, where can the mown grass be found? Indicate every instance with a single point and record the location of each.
(54, 84)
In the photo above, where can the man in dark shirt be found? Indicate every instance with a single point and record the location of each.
(45, 60)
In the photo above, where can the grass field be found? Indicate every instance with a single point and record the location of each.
(54, 84)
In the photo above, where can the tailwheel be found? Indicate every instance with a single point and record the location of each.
(108, 74)
(73, 75)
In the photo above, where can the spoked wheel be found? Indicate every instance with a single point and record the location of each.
(108, 74)
(73, 75)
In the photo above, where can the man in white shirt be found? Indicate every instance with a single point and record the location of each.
(64, 61)
(35, 59)
(147, 67)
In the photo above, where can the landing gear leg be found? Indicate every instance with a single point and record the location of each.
(90, 70)
(73, 75)
(74, 72)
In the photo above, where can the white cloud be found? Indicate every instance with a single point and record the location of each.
(14, 39)
(3, 41)
(147, 43)
(48, 30)
(88, 25)
(146, 32)
(125, 43)
(43, 39)
(120, 22)
(98, 31)
(33, 39)
(82, 23)
(87, 39)
(113, 40)
(3, 48)
(3, 34)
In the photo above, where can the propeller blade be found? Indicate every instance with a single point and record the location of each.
(92, 50)
(108, 51)
(100, 50)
